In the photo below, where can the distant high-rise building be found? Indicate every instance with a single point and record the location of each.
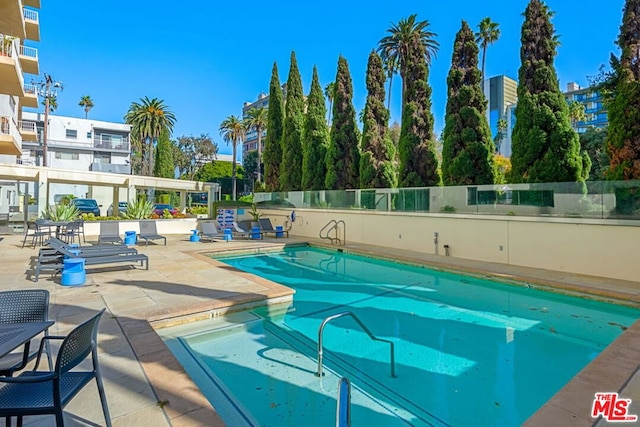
(502, 95)
(251, 138)
(594, 109)
(504, 146)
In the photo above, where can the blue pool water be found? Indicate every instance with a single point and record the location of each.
(469, 351)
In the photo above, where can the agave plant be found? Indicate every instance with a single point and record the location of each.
(139, 209)
(61, 213)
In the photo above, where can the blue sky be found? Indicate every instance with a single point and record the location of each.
(206, 58)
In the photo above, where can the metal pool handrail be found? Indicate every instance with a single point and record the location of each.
(364, 328)
(343, 409)
(334, 225)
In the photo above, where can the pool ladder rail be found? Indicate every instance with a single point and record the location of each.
(334, 226)
(392, 360)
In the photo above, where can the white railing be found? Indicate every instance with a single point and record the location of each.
(30, 89)
(27, 126)
(29, 14)
(28, 51)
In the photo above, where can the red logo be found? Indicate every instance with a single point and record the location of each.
(612, 408)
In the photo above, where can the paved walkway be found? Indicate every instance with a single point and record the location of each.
(146, 386)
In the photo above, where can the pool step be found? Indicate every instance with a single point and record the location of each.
(379, 389)
(277, 368)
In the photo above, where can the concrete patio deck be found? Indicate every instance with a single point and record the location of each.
(146, 386)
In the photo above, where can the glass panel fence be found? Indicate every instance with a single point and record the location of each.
(591, 199)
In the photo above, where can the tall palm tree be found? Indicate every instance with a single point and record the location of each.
(329, 91)
(87, 103)
(149, 118)
(257, 119)
(391, 68)
(394, 48)
(232, 131)
(488, 34)
(576, 113)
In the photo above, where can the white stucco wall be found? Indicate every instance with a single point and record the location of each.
(605, 248)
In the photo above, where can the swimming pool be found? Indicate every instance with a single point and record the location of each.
(469, 351)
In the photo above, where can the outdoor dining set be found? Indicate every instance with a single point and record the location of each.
(42, 229)
(24, 316)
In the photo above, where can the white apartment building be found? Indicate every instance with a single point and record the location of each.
(86, 158)
(17, 25)
(79, 144)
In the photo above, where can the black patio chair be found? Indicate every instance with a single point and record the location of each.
(81, 231)
(29, 305)
(36, 233)
(70, 231)
(48, 392)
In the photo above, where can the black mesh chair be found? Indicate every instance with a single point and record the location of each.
(36, 233)
(71, 231)
(48, 392)
(30, 305)
(81, 231)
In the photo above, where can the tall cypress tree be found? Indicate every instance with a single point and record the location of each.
(623, 106)
(416, 148)
(291, 166)
(164, 166)
(272, 156)
(376, 166)
(343, 153)
(544, 146)
(315, 138)
(467, 153)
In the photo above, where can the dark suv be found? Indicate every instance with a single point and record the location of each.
(86, 206)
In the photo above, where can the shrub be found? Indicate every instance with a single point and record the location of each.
(198, 210)
(254, 213)
(61, 213)
(139, 209)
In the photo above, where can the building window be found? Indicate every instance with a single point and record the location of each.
(65, 155)
(89, 135)
(104, 158)
(72, 133)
